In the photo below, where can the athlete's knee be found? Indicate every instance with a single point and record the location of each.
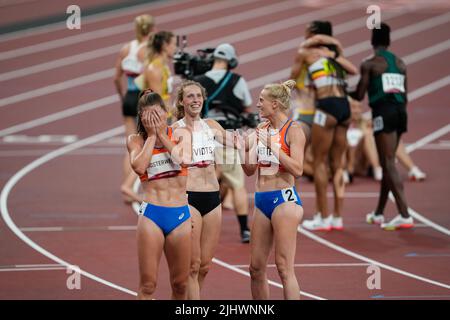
(204, 269)
(179, 286)
(147, 287)
(257, 271)
(284, 271)
(195, 267)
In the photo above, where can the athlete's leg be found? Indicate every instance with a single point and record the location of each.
(260, 245)
(387, 145)
(285, 219)
(337, 151)
(150, 243)
(321, 140)
(178, 254)
(211, 226)
(197, 224)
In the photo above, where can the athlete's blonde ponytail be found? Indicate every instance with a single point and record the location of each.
(144, 25)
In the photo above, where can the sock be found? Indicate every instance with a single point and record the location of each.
(243, 222)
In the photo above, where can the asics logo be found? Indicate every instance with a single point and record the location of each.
(181, 216)
(276, 200)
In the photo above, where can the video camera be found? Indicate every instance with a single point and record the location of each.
(188, 65)
(229, 118)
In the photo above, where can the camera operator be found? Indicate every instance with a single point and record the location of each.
(228, 99)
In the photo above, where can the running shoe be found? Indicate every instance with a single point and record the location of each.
(398, 223)
(245, 236)
(415, 174)
(337, 223)
(317, 223)
(372, 218)
(378, 174)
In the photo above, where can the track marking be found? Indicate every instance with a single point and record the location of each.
(57, 153)
(368, 260)
(30, 167)
(114, 49)
(117, 29)
(32, 267)
(411, 297)
(108, 73)
(313, 265)
(93, 18)
(362, 47)
(273, 283)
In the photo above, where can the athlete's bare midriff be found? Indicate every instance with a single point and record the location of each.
(202, 179)
(278, 181)
(168, 192)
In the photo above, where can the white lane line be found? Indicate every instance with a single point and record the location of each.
(108, 73)
(93, 105)
(33, 269)
(312, 265)
(60, 86)
(410, 148)
(106, 101)
(368, 260)
(429, 88)
(117, 29)
(78, 58)
(83, 152)
(273, 283)
(364, 46)
(30, 167)
(50, 156)
(94, 18)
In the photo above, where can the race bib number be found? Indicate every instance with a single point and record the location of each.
(378, 124)
(320, 118)
(393, 83)
(289, 195)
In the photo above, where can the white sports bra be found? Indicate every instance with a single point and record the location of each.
(202, 144)
(131, 64)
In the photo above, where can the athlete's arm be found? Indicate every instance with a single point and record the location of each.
(140, 152)
(181, 149)
(363, 83)
(293, 163)
(349, 67)
(225, 137)
(119, 72)
(248, 153)
(298, 64)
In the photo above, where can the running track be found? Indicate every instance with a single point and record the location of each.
(60, 202)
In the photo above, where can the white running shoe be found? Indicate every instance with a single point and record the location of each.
(337, 223)
(372, 218)
(415, 174)
(378, 173)
(398, 223)
(317, 223)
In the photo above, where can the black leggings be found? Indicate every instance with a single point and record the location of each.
(204, 201)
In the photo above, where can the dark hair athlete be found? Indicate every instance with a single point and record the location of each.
(383, 76)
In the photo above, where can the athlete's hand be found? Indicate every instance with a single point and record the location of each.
(264, 137)
(158, 121)
(146, 119)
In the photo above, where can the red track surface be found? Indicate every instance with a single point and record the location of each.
(78, 191)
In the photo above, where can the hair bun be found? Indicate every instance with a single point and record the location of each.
(289, 84)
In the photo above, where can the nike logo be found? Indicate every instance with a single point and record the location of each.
(275, 201)
(181, 216)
